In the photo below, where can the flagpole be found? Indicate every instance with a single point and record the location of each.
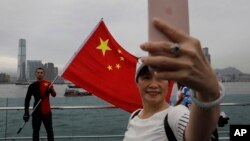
(79, 48)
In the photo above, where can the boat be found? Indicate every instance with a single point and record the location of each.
(76, 92)
(73, 86)
(22, 83)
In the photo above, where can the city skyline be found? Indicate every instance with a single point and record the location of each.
(55, 29)
(205, 50)
(26, 68)
(51, 71)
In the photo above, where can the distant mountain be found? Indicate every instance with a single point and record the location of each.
(231, 74)
(228, 71)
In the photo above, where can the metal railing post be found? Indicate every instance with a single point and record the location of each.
(6, 119)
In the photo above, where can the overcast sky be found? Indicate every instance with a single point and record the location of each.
(54, 29)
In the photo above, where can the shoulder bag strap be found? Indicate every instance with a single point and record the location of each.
(168, 130)
(135, 114)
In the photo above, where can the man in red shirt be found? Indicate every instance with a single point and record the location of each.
(40, 89)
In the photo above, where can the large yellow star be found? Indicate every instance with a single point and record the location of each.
(104, 46)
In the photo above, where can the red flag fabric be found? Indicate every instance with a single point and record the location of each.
(102, 67)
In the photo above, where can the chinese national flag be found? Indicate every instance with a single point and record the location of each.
(102, 67)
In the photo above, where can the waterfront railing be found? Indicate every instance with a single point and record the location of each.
(8, 133)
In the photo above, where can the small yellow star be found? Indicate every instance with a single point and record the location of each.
(104, 46)
(109, 67)
(118, 66)
(119, 51)
(122, 58)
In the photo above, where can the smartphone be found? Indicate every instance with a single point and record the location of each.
(174, 12)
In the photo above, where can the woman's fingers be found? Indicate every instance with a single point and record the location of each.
(172, 33)
(181, 59)
(164, 48)
(165, 63)
(157, 48)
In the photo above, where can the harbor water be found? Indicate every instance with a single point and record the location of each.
(91, 122)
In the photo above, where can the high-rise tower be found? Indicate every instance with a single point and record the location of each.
(32, 65)
(206, 53)
(49, 71)
(21, 61)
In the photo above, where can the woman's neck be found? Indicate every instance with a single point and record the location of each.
(149, 110)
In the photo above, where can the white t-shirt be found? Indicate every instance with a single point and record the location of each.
(152, 128)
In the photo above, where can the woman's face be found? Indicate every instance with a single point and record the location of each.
(152, 90)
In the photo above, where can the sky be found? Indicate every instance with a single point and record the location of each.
(55, 29)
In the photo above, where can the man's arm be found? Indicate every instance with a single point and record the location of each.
(51, 90)
(27, 99)
(27, 104)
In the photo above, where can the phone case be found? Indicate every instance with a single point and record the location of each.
(174, 12)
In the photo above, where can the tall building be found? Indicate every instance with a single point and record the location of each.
(55, 71)
(59, 79)
(206, 53)
(49, 71)
(4, 78)
(32, 65)
(21, 61)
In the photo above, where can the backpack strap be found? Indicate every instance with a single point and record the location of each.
(168, 130)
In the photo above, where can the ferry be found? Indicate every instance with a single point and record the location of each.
(71, 85)
(76, 91)
(22, 83)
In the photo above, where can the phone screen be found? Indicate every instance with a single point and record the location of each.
(174, 12)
